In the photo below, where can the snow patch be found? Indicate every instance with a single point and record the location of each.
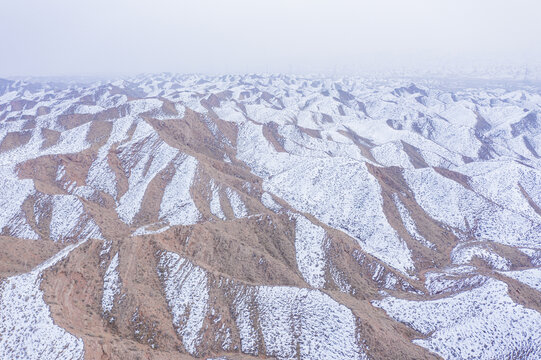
(111, 286)
(483, 323)
(187, 294)
(143, 157)
(215, 206)
(26, 325)
(178, 207)
(530, 277)
(464, 253)
(310, 251)
(239, 209)
(268, 201)
(408, 222)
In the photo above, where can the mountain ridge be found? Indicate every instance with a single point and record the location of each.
(217, 216)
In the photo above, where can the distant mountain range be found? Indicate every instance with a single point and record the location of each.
(270, 216)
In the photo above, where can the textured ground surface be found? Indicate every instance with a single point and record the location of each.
(239, 217)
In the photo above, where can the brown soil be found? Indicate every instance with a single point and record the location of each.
(14, 140)
(35, 252)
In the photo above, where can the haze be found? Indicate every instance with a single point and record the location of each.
(99, 37)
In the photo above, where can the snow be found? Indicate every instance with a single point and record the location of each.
(19, 227)
(85, 192)
(290, 320)
(408, 222)
(141, 106)
(500, 181)
(100, 175)
(26, 325)
(71, 141)
(181, 110)
(449, 202)
(249, 336)
(14, 193)
(322, 174)
(254, 149)
(187, 295)
(268, 201)
(105, 247)
(192, 102)
(453, 280)
(530, 277)
(304, 322)
(392, 154)
(464, 253)
(111, 285)
(239, 209)
(60, 172)
(340, 280)
(144, 230)
(143, 157)
(177, 206)
(342, 194)
(68, 219)
(88, 109)
(228, 113)
(482, 323)
(310, 251)
(533, 254)
(215, 206)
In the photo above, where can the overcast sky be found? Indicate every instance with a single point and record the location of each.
(117, 37)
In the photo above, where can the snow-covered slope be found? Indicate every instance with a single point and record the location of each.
(280, 216)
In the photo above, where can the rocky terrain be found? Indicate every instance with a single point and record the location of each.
(255, 217)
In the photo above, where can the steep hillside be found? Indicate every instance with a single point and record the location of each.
(244, 217)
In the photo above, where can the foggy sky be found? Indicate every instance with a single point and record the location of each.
(121, 37)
